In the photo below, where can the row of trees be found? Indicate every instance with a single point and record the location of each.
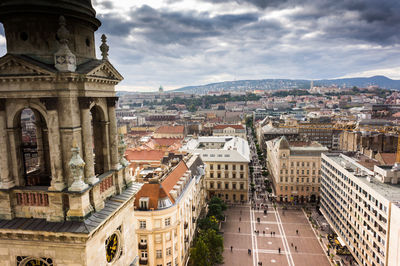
(209, 244)
(204, 101)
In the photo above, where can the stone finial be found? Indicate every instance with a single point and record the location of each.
(121, 150)
(76, 165)
(104, 48)
(64, 59)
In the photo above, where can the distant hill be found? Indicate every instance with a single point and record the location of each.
(274, 84)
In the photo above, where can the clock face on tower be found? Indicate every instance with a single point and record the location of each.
(35, 262)
(112, 247)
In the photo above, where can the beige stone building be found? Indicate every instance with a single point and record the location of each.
(295, 169)
(361, 203)
(169, 132)
(76, 206)
(230, 130)
(227, 165)
(166, 211)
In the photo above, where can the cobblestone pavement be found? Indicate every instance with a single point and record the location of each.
(300, 249)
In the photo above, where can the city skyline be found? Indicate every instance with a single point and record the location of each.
(177, 43)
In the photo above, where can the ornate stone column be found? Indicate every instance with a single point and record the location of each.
(87, 139)
(76, 164)
(111, 101)
(6, 180)
(53, 126)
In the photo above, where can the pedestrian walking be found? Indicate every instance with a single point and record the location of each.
(240, 219)
(263, 232)
(295, 248)
(297, 231)
(271, 233)
(231, 248)
(279, 250)
(239, 229)
(292, 244)
(249, 251)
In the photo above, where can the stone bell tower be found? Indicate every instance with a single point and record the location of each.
(69, 171)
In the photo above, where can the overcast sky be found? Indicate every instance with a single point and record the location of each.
(176, 43)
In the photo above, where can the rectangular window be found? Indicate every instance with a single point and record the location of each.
(226, 167)
(211, 175)
(233, 175)
(158, 253)
(142, 224)
(211, 167)
(226, 175)
(241, 167)
(211, 184)
(234, 185)
(167, 221)
(233, 167)
(241, 176)
(219, 185)
(241, 186)
(219, 167)
(218, 175)
(168, 251)
(226, 186)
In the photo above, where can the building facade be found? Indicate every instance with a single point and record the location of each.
(73, 208)
(227, 166)
(295, 170)
(166, 211)
(230, 130)
(362, 206)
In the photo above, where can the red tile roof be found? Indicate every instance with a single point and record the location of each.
(225, 126)
(173, 177)
(158, 191)
(144, 155)
(170, 130)
(388, 158)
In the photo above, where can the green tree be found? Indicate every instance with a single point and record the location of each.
(208, 223)
(200, 254)
(215, 244)
(216, 207)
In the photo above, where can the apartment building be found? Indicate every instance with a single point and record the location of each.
(361, 203)
(230, 130)
(166, 211)
(227, 165)
(295, 169)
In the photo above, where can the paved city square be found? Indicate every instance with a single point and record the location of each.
(300, 249)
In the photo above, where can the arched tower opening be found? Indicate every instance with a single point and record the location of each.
(34, 148)
(99, 133)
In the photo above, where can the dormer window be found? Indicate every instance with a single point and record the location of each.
(144, 203)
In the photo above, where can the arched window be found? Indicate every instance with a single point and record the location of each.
(99, 140)
(34, 148)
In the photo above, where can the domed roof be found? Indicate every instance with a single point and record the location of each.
(283, 143)
(80, 9)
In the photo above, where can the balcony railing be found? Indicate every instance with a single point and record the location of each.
(32, 199)
(143, 261)
(142, 245)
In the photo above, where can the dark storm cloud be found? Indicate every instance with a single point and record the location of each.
(258, 3)
(162, 26)
(365, 20)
